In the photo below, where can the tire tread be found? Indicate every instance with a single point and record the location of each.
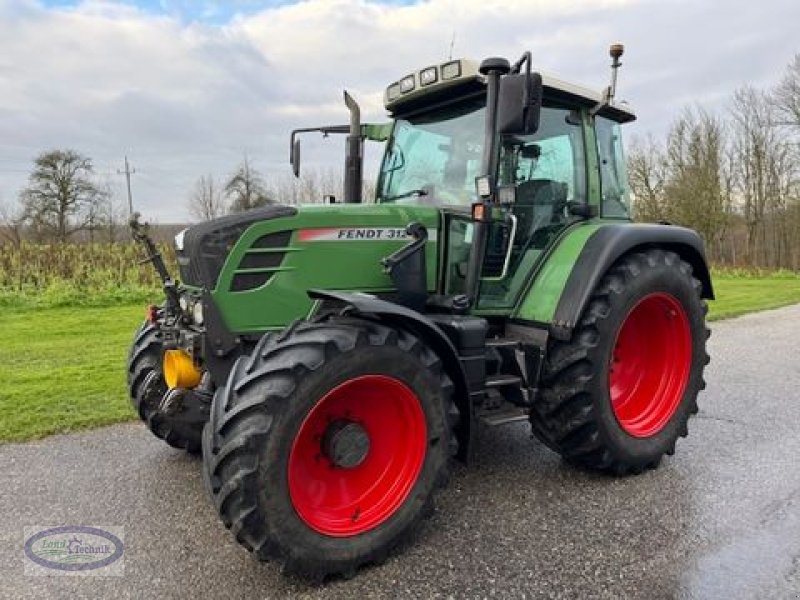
(563, 417)
(241, 421)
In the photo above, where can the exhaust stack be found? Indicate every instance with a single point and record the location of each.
(353, 163)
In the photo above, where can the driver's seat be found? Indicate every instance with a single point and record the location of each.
(537, 204)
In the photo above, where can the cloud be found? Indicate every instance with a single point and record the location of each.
(184, 96)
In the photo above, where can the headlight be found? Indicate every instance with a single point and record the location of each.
(451, 70)
(184, 303)
(179, 240)
(393, 92)
(197, 313)
(483, 186)
(428, 76)
(407, 84)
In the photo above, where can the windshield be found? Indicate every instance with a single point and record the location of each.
(435, 157)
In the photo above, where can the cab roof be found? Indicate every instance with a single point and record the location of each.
(461, 77)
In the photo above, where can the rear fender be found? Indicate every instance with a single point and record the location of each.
(607, 245)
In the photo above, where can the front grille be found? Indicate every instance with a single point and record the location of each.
(261, 261)
(279, 239)
(206, 246)
(249, 281)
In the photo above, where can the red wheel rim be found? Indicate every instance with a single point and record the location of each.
(650, 364)
(345, 501)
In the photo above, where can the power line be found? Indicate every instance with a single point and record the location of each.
(128, 172)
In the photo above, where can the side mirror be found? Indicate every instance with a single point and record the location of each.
(519, 104)
(295, 158)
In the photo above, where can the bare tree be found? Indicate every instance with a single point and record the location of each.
(113, 216)
(246, 189)
(736, 178)
(12, 222)
(206, 201)
(94, 216)
(647, 175)
(766, 171)
(787, 94)
(695, 189)
(315, 184)
(61, 195)
(787, 99)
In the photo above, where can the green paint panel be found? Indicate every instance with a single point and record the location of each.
(318, 258)
(540, 303)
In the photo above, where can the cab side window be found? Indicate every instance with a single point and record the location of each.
(616, 200)
(548, 169)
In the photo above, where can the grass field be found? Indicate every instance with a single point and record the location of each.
(740, 295)
(64, 368)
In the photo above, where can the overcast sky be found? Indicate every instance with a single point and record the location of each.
(186, 88)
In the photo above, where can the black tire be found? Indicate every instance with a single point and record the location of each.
(574, 415)
(257, 415)
(147, 387)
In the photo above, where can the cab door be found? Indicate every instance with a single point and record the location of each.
(548, 170)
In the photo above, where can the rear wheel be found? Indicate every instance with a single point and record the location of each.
(327, 443)
(147, 387)
(618, 395)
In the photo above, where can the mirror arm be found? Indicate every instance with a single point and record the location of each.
(525, 59)
(325, 130)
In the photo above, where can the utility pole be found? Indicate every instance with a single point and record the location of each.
(128, 172)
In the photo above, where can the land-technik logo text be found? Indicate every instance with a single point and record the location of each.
(73, 549)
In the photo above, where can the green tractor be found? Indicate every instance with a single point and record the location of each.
(331, 361)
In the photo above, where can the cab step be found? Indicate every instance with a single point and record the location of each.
(502, 416)
(498, 381)
(502, 343)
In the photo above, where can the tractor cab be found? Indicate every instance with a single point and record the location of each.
(542, 180)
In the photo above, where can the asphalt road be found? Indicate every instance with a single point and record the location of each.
(720, 519)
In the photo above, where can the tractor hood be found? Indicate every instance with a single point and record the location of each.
(202, 249)
(259, 266)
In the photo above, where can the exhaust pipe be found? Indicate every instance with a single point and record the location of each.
(354, 155)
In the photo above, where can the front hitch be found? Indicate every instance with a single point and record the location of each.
(139, 231)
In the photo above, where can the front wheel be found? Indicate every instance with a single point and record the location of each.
(327, 443)
(618, 396)
(147, 387)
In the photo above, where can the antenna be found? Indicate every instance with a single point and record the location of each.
(615, 52)
(452, 43)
